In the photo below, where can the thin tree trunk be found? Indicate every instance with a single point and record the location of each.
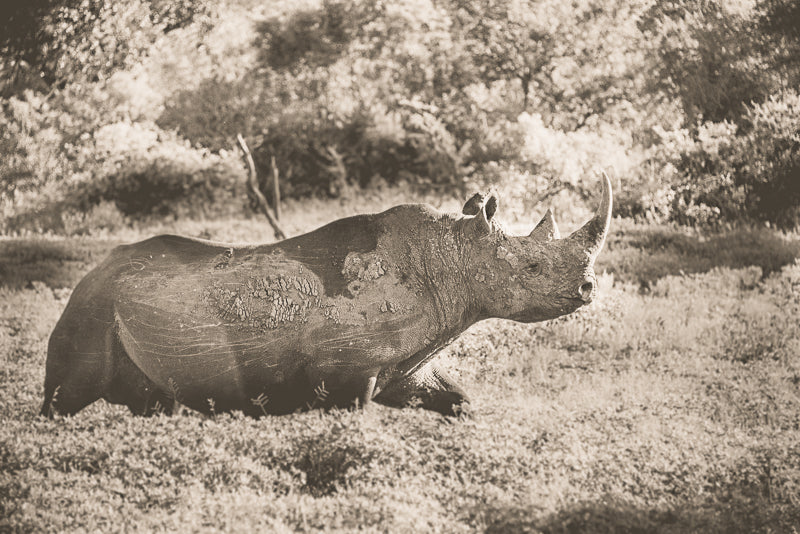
(252, 181)
(276, 189)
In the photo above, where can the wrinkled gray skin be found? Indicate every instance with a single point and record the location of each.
(349, 313)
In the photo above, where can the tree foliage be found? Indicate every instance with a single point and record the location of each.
(78, 41)
(674, 94)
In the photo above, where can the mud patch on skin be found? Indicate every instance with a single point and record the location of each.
(324, 251)
(392, 307)
(331, 312)
(484, 274)
(229, 304)
(375, 288)
(364, 267)
(222, 261)
(264, 303)
(504, 254)
(362, 270)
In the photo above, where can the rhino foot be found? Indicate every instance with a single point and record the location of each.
(67, 399)
(431, 388)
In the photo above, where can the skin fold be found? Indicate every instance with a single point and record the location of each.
(349, 313)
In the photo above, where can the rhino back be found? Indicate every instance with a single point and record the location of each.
(210, 320)
(325, 250)
(223, 321)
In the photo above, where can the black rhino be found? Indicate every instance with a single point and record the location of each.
(351, 312)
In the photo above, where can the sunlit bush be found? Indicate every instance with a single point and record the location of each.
(571, 156)
(145, 171)
(128, 171)
(725, 172)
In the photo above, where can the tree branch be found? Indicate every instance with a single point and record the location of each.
(253, 183)
(276, 189)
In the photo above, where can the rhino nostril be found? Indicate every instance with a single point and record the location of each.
(586, 290)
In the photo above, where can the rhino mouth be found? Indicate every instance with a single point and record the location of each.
(562, 306)
(573, 302)
(567, 305)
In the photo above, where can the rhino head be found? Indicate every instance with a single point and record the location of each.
(535, 277)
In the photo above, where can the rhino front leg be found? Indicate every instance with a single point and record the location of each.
(355, 391)
(429, 387)
(368, 390)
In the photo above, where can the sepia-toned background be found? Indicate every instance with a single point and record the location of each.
(671, 404)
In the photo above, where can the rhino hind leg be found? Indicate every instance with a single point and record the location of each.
(132, 388)
(73, 378)
(67, 398)
(431, 388)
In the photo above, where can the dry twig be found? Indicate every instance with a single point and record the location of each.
(253, 183)
(276, 189)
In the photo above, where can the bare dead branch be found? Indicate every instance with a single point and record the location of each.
(253, 183)
(276, 189)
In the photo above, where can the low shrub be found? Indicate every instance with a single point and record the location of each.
(130, 171)
(322, 155)
(198, 186)
(326, 465)
(723, 172)
(643, 254)
(667, 403)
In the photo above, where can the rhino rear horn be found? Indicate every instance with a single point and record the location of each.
(592, 235)
(547, 229)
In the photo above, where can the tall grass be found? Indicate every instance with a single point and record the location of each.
(667, 408)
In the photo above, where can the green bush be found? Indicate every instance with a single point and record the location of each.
(30, 139)
(213, 113)
(353, 93)
(127, 171)
(76, 40)
(82, 41)
(324, 155)
(769, 151)
(680, 100)
(751, 171)
(706, 55)
(315, 37)
(146, 172)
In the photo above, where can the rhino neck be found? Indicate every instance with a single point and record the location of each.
(441, 274)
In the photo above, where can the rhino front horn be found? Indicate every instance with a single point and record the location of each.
(592, 235)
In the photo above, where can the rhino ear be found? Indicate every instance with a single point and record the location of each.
(481, 223)
(473, 205)
(547, 229)
(491, 206)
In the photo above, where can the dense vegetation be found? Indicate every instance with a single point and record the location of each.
(114, 111)
(670, 405)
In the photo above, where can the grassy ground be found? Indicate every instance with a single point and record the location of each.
(672, 404)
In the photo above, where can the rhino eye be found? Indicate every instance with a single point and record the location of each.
(534, 268)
